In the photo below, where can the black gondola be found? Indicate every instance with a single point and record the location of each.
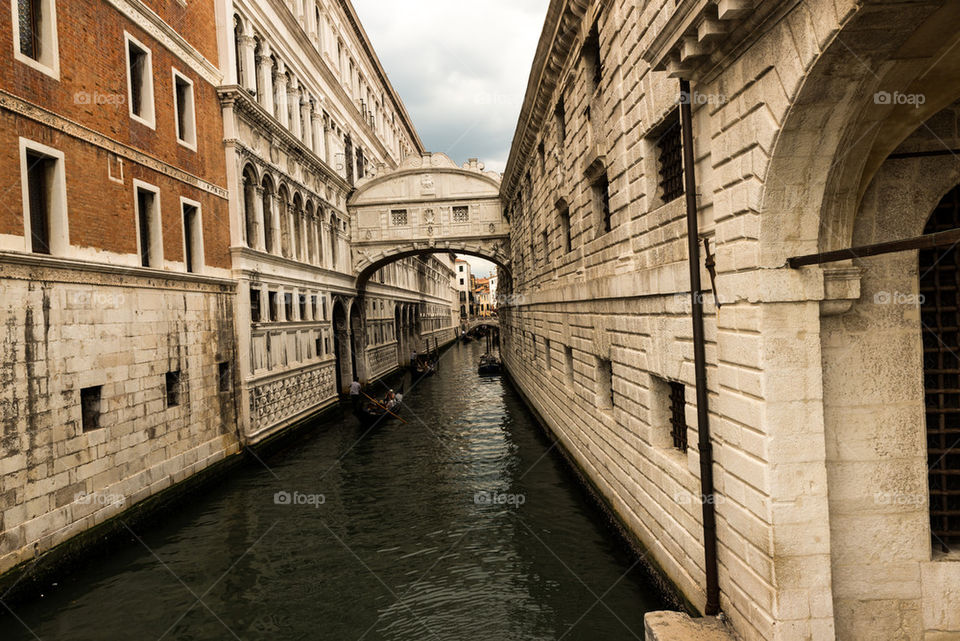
(370, 414)
(489, 365)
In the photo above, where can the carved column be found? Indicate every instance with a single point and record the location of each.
(247, 45)
(319, 144)
(295, 109)
(306, 115)
(265, 69)
(258, 242)
(282, 86)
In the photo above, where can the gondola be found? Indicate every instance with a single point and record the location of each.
(489, 365)
(369, 414)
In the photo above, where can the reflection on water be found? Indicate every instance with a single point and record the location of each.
(459, 524)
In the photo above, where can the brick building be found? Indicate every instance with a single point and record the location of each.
(815, 126)
(114, 262)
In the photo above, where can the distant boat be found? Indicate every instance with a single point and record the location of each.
(489, 365)
(370, 414)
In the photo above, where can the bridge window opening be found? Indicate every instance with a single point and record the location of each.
(670, 157)
(273, 305)
(254, 305)
(605, 393)
(461, 214)
(288, 307)
(940, 293)
(223, 377)
(172, 380)
(601, 202)
(90, 408)
(398, 217)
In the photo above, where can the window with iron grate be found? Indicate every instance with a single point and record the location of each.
(398, 217)
(940, 292)
(670, 158)
(678, 415)
(461, 214)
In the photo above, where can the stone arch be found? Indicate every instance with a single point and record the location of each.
(310, 223)
(297, 227)
(840, 126)
(283, 213)
(250, 183)
(238, 34)
(369, 265)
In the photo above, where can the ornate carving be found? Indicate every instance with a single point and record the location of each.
(284, 398)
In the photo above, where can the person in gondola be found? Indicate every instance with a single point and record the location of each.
(355, 393)
(390, 401)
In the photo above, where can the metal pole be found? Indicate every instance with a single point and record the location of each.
(704, 445)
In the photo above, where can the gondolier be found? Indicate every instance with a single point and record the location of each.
(355, 393)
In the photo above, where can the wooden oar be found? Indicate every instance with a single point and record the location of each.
(377, 403)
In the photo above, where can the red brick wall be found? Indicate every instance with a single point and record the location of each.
(92, 61)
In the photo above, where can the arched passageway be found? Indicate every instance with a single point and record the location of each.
(341, 346)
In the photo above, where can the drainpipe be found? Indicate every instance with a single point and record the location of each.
(704, 446)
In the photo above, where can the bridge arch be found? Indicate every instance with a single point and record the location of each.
(427, 205)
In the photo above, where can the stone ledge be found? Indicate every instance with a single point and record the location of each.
(666, 625)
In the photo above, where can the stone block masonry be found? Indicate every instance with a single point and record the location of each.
(92, 422)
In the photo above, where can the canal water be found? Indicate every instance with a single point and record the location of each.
(462, 523)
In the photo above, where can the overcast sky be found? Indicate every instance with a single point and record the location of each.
(460, 68)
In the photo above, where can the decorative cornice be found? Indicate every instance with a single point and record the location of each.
(76, 130)
(145, 18)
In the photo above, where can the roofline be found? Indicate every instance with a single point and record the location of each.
(368, 47)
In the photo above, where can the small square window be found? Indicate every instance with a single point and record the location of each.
(398, 217)
(173, 388)
(90, 408)
(461, 214)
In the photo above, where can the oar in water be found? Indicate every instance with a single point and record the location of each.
(377, 403)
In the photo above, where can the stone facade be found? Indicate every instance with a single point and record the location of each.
(308, 113)
(817, 126)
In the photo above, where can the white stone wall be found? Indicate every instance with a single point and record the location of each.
(69, 327)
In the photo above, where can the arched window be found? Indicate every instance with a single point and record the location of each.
(283, 207)
(333, 241)
(257, 55)
(268, 241)
(311, 234)
(297, 227)
(249, 206)
(940, 318)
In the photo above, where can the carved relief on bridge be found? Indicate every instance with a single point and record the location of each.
(428, 204)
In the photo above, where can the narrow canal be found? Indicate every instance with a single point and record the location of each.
(462, 523)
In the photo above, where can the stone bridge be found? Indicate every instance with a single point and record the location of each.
(471, 324)
(428, 205)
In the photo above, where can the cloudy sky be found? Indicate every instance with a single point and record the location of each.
(460, 67)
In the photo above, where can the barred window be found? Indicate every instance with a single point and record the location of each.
(678, 415)
(398, 217)
(670, 158)
(461, 214)
(28, 15)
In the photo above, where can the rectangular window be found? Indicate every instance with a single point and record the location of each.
(173, 388)
(560, 116)
(568, 363)
(90, 408)
(590, 54)
(563, 214)
(139, 81)
(39, 179)
(35, 35)
(272, 303)
(547, 358)
(670, 158)
(44, 194)
(223, 377)
(601, 202)
(542, 154)
(605, 399)
(192, 236)
(323, 307)
(316, 308)
(303, 307)
(148, 225)
(288, 306)
(461, 214)
(678, 415)
(398, 217)
(545, 241)
(317, 345)
(254, 305)
(183, 110)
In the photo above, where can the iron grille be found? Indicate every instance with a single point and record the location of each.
(678, 415)
(670, 159)
(461, 214)
(940, 288)
(398, 217)
(28, 16)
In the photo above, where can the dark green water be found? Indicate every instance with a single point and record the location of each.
(400, 549)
